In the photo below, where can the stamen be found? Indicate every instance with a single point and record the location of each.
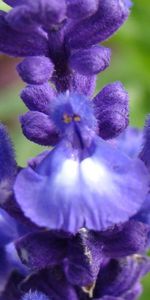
(76, 118)
(67, 119)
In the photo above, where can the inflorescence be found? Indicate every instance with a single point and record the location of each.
(74, 223)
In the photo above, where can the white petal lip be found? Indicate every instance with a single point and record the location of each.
(89, 171)
(95, 173)
(68, 174)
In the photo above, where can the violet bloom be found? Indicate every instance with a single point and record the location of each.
(117, 279)
(121, 279)
(110, 106)
(81, 256)
(66, 33)
(106, 194)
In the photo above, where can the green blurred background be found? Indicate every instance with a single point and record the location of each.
(130, 64)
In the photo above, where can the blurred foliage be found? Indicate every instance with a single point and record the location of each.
(130, 64)
(3, 6)
(131, 60)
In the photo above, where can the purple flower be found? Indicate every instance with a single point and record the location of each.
(83, 254)
(67, 33)
(80, 255)
(110, 107)
(120, 278)
(106, 194)
(117, 279)
(83, 206)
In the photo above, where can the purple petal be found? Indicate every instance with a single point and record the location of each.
(72, 104)
(109, 17)
(92, 205)
(35, 70)
(80, 9)
(120, 201)
(51, 213)
(38, 97)
(129, 238)
(38, 127)
(83, 260)
(51, 249)
(119, 277)
(111, 109)
(130, 141)
(17, 44)
(90, 61)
